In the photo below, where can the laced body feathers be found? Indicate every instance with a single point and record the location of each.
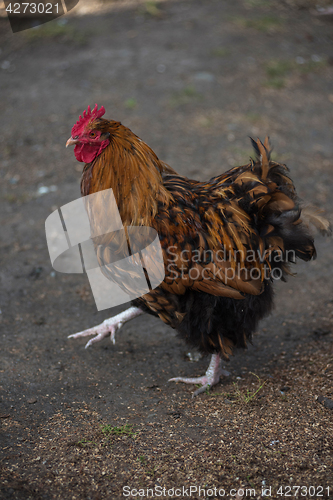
(214, 303)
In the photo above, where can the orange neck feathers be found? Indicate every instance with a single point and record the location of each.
(132, 170)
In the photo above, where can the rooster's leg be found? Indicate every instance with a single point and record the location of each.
(108, 327)
(211, 377)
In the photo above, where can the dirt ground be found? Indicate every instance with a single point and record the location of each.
(193, 79)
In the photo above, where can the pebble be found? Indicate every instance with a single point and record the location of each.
(5, 65)
(194, 357)
(204, 76)
(285, 389)
(46, 189)
(328, 403)
(32, 401)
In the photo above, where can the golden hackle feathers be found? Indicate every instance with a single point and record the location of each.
(132, 170)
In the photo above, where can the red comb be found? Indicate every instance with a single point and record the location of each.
(88, 116)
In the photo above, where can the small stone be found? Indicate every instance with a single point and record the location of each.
(32, 401)
(321, 332)
(204, 76)
(5, 65)
(328, 403)
(46, 189)
(39, 321)
(193, 356)
(36, 272)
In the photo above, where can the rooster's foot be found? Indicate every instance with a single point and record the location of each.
(211, 377)
(108, 327)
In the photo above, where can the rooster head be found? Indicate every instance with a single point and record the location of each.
(89, 135)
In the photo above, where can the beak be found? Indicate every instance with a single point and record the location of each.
(71, 142)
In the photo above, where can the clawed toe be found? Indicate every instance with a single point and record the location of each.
(201, 389)
(101, 331)
(211, 377)
(108, 327)
(95, 339)
(198, 380)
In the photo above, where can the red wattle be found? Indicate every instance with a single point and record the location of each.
(87, 152)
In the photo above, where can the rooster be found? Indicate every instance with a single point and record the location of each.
(224, 241)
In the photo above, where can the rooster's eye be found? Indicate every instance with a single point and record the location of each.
(92, 134)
